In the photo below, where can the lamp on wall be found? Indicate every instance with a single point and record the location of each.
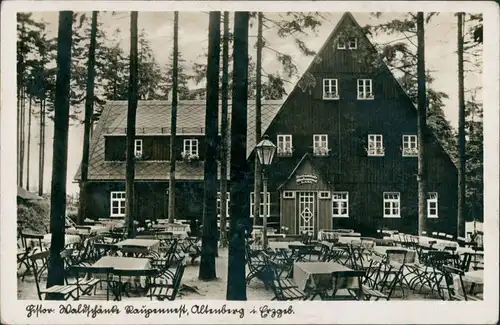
(265, 152)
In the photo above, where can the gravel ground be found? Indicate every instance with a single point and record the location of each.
(206, 290)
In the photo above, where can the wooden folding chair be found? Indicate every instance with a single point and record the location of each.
(91, 277)
(65, 291)
(163, 286)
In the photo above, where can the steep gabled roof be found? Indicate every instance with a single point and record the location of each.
(347, 18)
(153, 117)
(307, 157)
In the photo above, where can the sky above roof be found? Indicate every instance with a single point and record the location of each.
(441, 57)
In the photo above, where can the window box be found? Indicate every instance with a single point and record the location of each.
(284, 146)
(330, 89)
(365, 90)
(190, 152)
(320, 145)
(375, 145)
(410, 146)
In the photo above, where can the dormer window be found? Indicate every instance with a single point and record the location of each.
(350, 43)
(138, 148)
(320, 142)
(365, 89)
(375, 145)
(284, 147)
(190, 149)
(330, 89)
(341, 44)
(410, 147)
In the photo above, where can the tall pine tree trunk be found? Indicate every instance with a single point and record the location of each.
(421, 124)
(258, 128)
(29, 146)
(240, 171)
(21, 136)
(173, 120)
(89, 109)
(131, 117)
(41, 151)
(60, 151)
(224, 132)
(209, 235)
(461, 130)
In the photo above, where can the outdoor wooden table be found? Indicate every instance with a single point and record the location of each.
(284, 245)
(124, 263)
(316, 277)
(150, 244)
(96, 229)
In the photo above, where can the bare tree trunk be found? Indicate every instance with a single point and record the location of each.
(258, 127)
(240, 171)
(131, 117)
(224, 132)
(421, 124)
(209, 233)
(60, 152)
(29, 147)
(21, 136)
(173, 120)
(41, 152)
(89, 109)
(461, 130)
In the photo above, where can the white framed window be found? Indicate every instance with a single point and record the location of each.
(410, 146)
(352, 43)
(375, 145)
(432, 205)
(341, 44)
(392, 205)
(365, 90)
(340, 204)
(324, 195)
(261, 206)
(284, 147)
(330, 89)
(219, 204)
(288, 194)
(320, 144)
(138, 148)
(190, 147)
(117, 204)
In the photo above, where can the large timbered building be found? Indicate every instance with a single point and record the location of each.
(346, 151)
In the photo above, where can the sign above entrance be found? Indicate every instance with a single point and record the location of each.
(306, 179)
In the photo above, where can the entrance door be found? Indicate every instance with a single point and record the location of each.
(306, 212)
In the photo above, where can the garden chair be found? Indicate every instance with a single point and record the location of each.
(127, 276)
(65, 290)
(344, 280)
(449, 272)
(255, 264)
(164, 286)
(91, 277)
(390, 272)
(283, 289)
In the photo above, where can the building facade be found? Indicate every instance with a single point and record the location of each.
(346, 151)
